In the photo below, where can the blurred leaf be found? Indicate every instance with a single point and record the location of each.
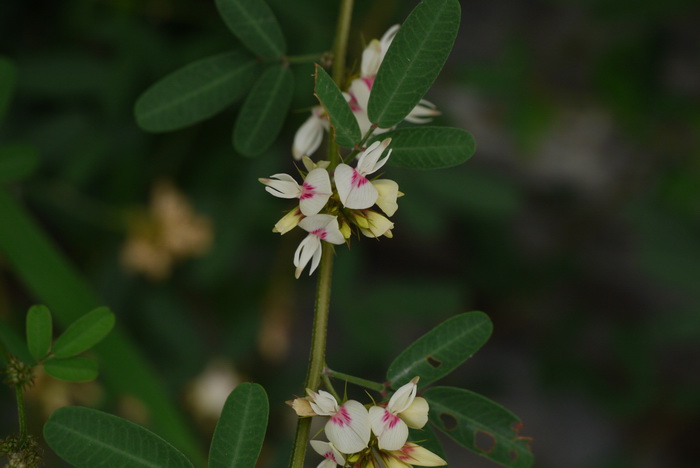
(413, 61)
(195, 92)
(479, 424)
(264, 111)
(87, 438)
(441, 350)
(49, 276)
(84, 333)
(240, 432)
(253, 23)
(39, 331)
(8, 77)
(429, 147)
(347, 132)
(13, 342)
(73, 369)
(17, 162)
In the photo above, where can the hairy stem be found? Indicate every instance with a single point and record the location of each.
(20, 413)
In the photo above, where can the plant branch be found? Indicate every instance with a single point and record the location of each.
(376, 386)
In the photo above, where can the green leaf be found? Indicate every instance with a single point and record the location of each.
(429, 147)
(17, 161)
(239, 434)
(347, 131)
(253, 23)
(72, 369)
(84, 333)
(479, 424)
(8, 78)
(441, 350)
(39, 331)
(87, 438)
(413, 61)
(264, 111)
(195, 92)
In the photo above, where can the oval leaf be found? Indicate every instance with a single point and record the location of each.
(429, 147)
(73, 369)
(479, 424)
(347, 131)
(253, 23)
(264, 111)
(8, 77)
(39, 331)
(84, 333)
(239, 434)
(413, 61)
(195, 92)
(441, 350)
(17, 162)
(87, 438)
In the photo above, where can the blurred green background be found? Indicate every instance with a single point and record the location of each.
(576, 225)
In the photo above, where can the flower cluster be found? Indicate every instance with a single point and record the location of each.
(310, 135)
(370, 438)
(328, 212)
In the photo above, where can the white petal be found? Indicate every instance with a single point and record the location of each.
(417, 455)
(354, 189)
(416, 415)
(377, 225)
(360, 89)
(323, 403)
(315, 192)
(368, 161)
(388, 191)
(388, 38)
(403, 397)
(422, 113)
(315, 222)
(282, 186)
(390, 430)
(328, 451)
(371, 59)
(315, 260)
(364, 123)
(308, 137)
(349, 429)
(306, 250)
(288, 221)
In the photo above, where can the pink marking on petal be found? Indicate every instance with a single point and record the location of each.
(369, 81)
(358, 180)
(390, 419)
(329, 455)
(307, 191)
(320, 232)
(342, 417)
(354, 105)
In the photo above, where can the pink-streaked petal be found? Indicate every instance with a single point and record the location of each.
(416, 415)
(390, 430)
(306, 251)
(360, 90)
(403, 397)
(328, 451)
(315, 192)
(354, 189)
(315, 222)
(349, 429)
(308, 137)
(413, 454)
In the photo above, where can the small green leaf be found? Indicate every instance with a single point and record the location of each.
(413, 61)
(17, 161)
(72, 369)
(347, 131)
(87, 438)
(479, 424)
(441, 350)
(195, 92)
(429, 147)
(264, 111)
(84, 333)
(8, 77)
(240, 432)
(253, 23)
(39, 331)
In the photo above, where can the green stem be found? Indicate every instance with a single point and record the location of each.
(329, 385)
(376, 386)
(317, 356)
(358, 147)
(20, 412)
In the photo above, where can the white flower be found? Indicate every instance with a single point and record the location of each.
(375, 51)
(331, 455)
(411, 454)
(354, 189)
(377, 225)
(388, 423)
(288, 221)
(320, 227)
(348, 428)
(310, 135)
(422, 113)
(388, 192)
(312, 194)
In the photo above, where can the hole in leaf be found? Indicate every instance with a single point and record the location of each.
(484, 441)
(449, 422)
(433, 362)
